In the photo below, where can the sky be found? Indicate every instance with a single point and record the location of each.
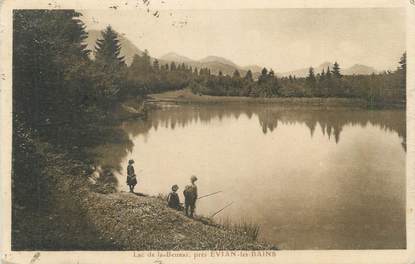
(282, 39)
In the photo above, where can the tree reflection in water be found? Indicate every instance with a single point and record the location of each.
(330, 121)
(110, 153)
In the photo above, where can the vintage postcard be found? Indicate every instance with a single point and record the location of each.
(159, 131)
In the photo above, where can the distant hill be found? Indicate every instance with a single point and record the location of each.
(128, 50)
(215, 63)
(355, 69)
(216, 59)
(359, 69)
(253, 68)
(175, 57)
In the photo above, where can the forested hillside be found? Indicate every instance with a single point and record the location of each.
(378, 89)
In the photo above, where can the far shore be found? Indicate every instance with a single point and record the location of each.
(185, 96)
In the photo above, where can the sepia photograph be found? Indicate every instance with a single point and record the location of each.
(138, 128)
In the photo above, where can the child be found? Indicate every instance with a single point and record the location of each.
(190, 197)
(131, 177)
(173, 200)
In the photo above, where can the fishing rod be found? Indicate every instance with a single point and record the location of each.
(222, 209)
(209, 195)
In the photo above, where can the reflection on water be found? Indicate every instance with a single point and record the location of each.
(330, 121)
(312, 178)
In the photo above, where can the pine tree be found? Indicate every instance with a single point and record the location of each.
(336, 70)
(401, 72)
(402, 63)
(236, 74)
(49, 66)
(328, 73)
(109, 69)
(172, 66)
(248, 76)
(311, 81)
(108, 48)
(156, 65)
(311, 76)
(146, 60)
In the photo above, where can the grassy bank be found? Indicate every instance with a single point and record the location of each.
(135, 222)
(185, 96)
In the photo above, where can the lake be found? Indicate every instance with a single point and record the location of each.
(312, 178)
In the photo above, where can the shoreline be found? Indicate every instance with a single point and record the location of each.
(81, 215)
(185, 96)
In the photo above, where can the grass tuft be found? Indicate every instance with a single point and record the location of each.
(243, 227)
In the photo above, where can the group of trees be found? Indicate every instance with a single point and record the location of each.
(267, 84)
(56, 83)
(146, 75)
(386, 87)
(64, 96)
(383, 88)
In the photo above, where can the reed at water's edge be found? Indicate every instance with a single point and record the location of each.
(243, 227)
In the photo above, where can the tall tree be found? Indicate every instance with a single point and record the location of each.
(173, 66)
(328, 73)
(156, 65)
(50, 63)
(264, 76)
(322, 75)
(236, 74)
(109, 69)
(311, 76)
(108, 48)
(402, 63)
(336, 70)
(50, 99)
(248, 76)
(311, 81)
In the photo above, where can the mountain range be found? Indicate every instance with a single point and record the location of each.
(355, 69)
(216, 64)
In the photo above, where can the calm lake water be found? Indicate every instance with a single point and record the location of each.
(311, 178)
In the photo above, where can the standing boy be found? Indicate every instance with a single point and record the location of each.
(190, 196)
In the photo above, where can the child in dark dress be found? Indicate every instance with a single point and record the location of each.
(173, 200)
(131, 177)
